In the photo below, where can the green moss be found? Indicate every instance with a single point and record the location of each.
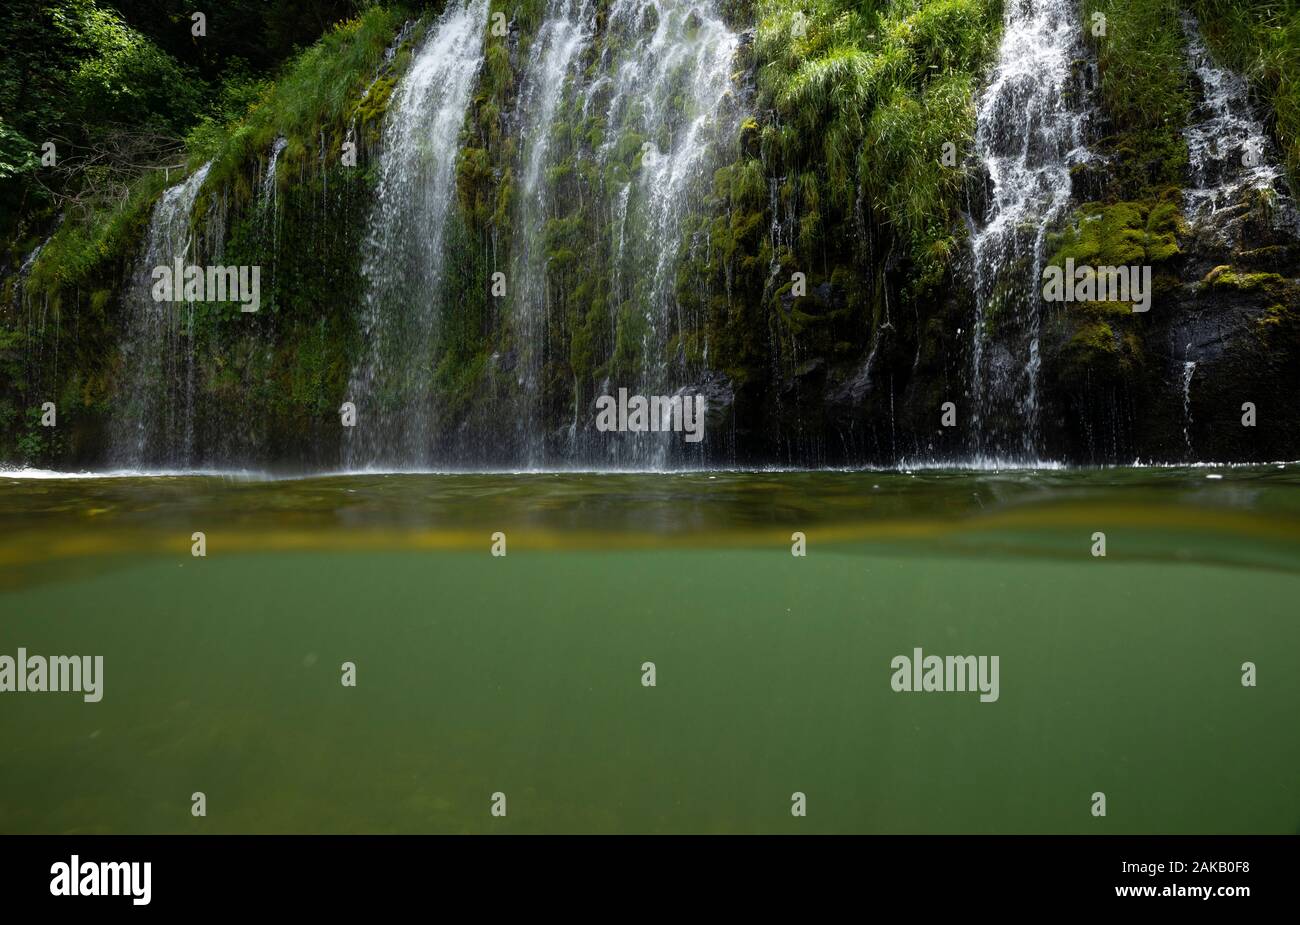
(1121, 234)
(473, 184)
(499, 77)
(458, 381)
(626, 361)
(1098, 351)
(1281, 319)
(1227, 278)
(743, 184)
(1093, 340)
(852, 58)
(369, 109)
(855, 104)
(1104, 339)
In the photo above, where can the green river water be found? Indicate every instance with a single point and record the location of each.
(523, 674)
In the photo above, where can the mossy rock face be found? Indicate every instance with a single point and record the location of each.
(1243, 332)
(833, 171)
(368, 112)
(1225, 277)
(1101, 342)
(750, 137)
(1097, 349)
(1121, 234)
(1228, 309)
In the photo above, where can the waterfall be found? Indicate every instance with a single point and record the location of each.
(270, 192)
(668, 83)
(1228, 148)
(1028, 136)
(565, 34)
(153, 418)
(403, 259)
(34, 313)
(268, 181)
(25, 269)
(1189, 371)
(269, 205)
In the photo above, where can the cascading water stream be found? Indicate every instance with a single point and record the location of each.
(25, 269)
(270, 191)
(668, 86)
(154, 408)
(1028, 136)
(1229, 150)
(30, 261)
(269, 208)
(563, 37)
(268, 181)
(34, 312)
(403, 261)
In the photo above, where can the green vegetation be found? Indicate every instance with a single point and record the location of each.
(311, 105)
(833, 222)
(1261, 39)
(1144, 88)
(1147, 98)
(866, 95)
(1146, 101)
(1104, 339)
(865, 119)
(1122, 234)
(312, 281)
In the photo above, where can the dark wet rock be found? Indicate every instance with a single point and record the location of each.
(718, 391)
(979, 192)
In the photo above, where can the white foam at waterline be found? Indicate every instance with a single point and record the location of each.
(977, 467)
(57, 475)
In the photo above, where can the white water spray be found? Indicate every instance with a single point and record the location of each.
(669, 85)
(153, 422)
(555, 55)
(404, 256)
(1028, 136)
(1228, 148)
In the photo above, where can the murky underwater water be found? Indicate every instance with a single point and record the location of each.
(523, 674)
